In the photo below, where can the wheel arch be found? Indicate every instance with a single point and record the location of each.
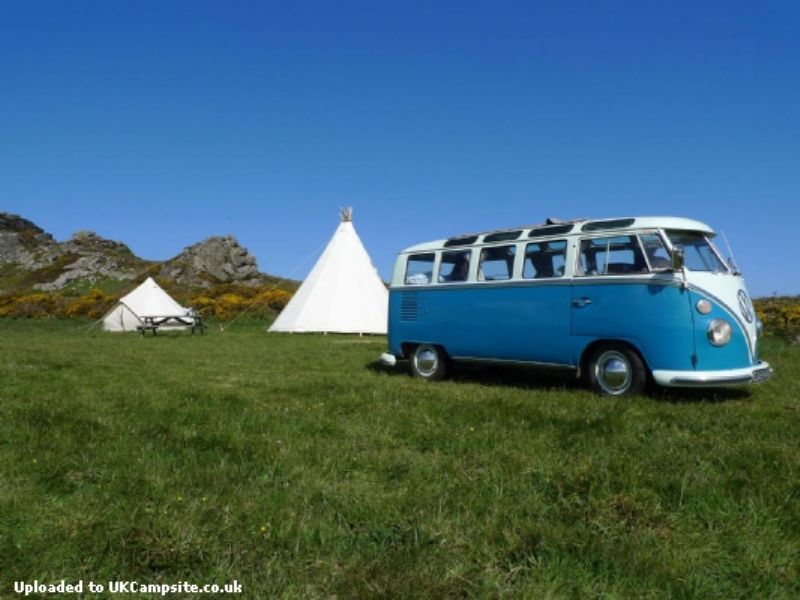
(407, 348)
(590, 348)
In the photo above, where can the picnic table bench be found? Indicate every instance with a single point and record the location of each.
(188, 322)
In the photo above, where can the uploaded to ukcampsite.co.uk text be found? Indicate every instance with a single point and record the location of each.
(125, 587)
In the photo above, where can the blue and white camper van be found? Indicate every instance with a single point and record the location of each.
(618, 301)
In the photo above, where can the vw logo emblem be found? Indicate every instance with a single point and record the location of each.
(745, 306)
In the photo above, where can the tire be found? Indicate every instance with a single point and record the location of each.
(616, 370)
(429, 362)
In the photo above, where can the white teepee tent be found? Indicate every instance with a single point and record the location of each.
(342, 294)
(147, 300)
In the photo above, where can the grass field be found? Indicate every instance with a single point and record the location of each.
(297, 466)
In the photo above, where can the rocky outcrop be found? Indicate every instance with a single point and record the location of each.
(89, 241)
(90, 257)
(23, 243)
(91, 268)
(31, 258)
(214, 260)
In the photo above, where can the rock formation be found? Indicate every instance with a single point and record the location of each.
(31, 258)
(23, 243)
(214, 260)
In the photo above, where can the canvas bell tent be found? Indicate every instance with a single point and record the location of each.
(148, 301)
(343, 293)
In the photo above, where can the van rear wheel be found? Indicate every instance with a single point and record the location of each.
(429, 362)
(616, 370)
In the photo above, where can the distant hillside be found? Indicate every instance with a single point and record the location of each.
(85, 275)
(32, 260)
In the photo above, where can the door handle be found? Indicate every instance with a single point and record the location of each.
(584, 301)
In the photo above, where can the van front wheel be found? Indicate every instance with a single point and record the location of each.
(616, 370)
(429, 362)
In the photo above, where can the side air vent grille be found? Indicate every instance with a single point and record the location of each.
(408, 306)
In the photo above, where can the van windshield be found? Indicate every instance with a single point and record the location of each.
(698, 252)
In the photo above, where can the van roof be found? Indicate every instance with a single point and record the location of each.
(557, 227)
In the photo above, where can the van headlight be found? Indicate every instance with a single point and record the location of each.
(719, 332)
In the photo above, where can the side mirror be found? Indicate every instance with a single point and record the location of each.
(677, 258)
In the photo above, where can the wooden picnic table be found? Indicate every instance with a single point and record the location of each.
(154, 323)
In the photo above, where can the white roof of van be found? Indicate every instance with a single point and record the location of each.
(671, 223)
(679, 223)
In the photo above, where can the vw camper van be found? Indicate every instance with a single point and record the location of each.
(618, 301)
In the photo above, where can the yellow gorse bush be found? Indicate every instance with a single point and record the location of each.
(780, 316)
(275, 299)
(32, 305)
(224, 302)
(93, 305)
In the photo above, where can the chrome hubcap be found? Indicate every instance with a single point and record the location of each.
(613, 372)
(426, 360)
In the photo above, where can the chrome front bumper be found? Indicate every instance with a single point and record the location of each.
(755, 374)
(388, 360)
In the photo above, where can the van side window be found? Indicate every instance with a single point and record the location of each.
(657, 253)
(454, 266)
(497, 263)
(618, 255)
(419, 269)
(545, 259)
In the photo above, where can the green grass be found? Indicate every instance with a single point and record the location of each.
(297, 466)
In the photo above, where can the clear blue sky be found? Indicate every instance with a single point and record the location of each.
(161, 123)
